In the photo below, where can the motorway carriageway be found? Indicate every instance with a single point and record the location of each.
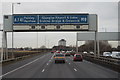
(43, 66)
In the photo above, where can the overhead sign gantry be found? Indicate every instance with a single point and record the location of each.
(47, 22)
(50, 22)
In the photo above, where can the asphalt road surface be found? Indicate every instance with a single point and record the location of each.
(43, 66)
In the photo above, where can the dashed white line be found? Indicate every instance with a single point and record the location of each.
(69, 63)
(47, 63)
(43, 70)
(75, 69)
(52, 56)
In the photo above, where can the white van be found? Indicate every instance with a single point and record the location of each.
(115, 54)
(107, 54)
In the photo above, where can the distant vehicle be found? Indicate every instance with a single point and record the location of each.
(67, 54)
(84, 52)
(53, 51)
(59, 58)
(107, 54)
(91, 52)
(72, 53)
(62, 51)
(77, 57)
(58, 52)
(115, 54)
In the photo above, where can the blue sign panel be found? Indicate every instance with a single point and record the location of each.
(25, 19)
(50, 19)
(63, 19)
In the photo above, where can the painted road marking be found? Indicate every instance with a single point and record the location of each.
(47, 63)
(75, 69)
(52, 56)
(21, 67)
(43, 70)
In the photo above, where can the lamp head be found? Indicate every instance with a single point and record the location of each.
(18, 3)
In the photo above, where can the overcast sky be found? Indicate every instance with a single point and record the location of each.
(107, 20)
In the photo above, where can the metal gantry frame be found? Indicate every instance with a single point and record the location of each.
(4, 53)
(96, 44)
(109, 36)
(4, 39)
(96, 41)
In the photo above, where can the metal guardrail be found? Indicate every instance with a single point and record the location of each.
(12, 59)
(107, 62)
(17, 58)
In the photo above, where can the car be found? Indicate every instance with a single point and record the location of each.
(77, 57)
(58, 57)
(107, 54)
(53, 51)
(91, 52)
(67, 54)
(72, 53)
(62, 51)
(58, 52)
(84, 52)
(115, 55)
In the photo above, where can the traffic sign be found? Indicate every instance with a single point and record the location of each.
(50, 19)
(63, 19)
(50, 22)
(25, 19)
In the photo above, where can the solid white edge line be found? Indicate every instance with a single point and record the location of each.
(19, 67)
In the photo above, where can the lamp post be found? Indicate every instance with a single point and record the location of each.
(12, 28)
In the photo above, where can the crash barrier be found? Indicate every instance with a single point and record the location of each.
(17, 54)
(111, 63)
(16, 58)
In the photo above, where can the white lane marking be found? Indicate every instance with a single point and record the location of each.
(43, 70)
(52, 56)
(75, 69)
(47, 63)
(69, 63)
(20, 67)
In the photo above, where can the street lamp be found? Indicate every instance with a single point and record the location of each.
(12, 28)
(13, 7)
